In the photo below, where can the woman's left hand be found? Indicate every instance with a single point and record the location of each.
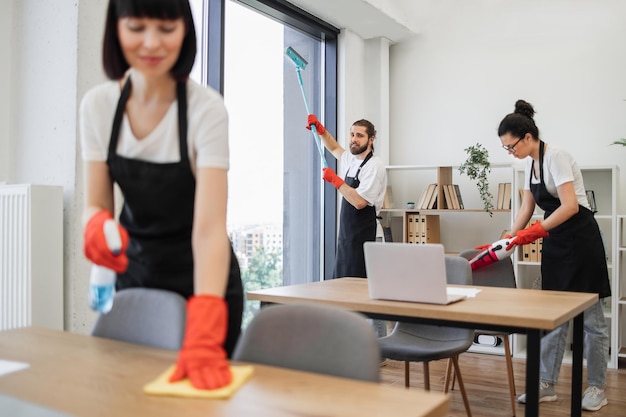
(528, 235)
(202, 358)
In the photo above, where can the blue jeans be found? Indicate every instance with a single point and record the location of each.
(596, 333)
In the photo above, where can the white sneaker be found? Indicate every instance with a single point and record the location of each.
(594, 399)
(547, 392)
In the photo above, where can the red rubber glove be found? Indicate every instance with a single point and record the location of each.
(331, 177)
(312, 120)
(202, 358)
(482, 247)
(528, 235)
(95, 245)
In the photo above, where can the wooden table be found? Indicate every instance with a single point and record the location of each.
(89, 376)
(530, 312)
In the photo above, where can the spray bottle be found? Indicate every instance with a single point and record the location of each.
(494, 253)
(102, 279)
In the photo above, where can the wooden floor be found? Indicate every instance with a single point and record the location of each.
(488, 391)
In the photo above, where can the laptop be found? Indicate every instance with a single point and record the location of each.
(408, 272)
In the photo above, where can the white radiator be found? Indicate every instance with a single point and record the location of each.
(31, 256)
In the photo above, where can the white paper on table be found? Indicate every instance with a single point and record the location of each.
(468, 292)
(6, 367)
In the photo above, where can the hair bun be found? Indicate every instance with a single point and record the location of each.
(524, 108)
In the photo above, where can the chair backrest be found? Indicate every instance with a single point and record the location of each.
(458, 271)
(312, 338)
(497, 274)
(145, 316)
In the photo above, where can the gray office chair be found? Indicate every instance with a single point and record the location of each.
(312, 338)
(411, 342)
(145, 316)
(498, 274)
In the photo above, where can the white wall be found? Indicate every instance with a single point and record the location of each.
(350, 84)
(49, 70)
(6, 28)
(376, 66)
(44, 92)
(363, 87)
(452, 84)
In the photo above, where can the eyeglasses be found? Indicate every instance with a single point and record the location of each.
(512, 148)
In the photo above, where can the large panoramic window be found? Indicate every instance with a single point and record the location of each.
(279, 212)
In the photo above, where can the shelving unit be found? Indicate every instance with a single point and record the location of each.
(603, 181)
(459, 229)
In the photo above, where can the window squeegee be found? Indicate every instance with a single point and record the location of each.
(300, 64)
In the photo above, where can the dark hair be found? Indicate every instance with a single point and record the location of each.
(520, 121)
(113, 60)
(369, 128)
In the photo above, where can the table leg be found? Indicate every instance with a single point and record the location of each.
(533, 346)
(577, 366)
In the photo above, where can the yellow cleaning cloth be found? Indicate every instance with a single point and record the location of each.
(162, 386)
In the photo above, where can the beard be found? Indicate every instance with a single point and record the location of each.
(355, 149)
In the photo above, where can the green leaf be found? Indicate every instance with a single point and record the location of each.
(476, 167)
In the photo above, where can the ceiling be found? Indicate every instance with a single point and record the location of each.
(366, 18)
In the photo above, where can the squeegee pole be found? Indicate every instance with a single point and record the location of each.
(318, 141)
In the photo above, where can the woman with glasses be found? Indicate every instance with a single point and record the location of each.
(573, 255)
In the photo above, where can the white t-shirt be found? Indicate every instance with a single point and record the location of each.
(558, 168)
(207, 129)
(373, 177)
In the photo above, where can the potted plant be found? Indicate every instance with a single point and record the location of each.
(476, 167)
(619, 142)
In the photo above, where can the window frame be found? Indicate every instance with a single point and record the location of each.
(296, 18)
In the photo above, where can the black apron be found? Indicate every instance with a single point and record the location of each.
(573, 256)
(158, 215)
(356, 227)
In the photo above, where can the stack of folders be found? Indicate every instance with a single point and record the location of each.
(422, 228)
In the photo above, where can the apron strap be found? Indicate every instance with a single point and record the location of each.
(117, 119)
(367, 158)
(181, 96)
(532, 165)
